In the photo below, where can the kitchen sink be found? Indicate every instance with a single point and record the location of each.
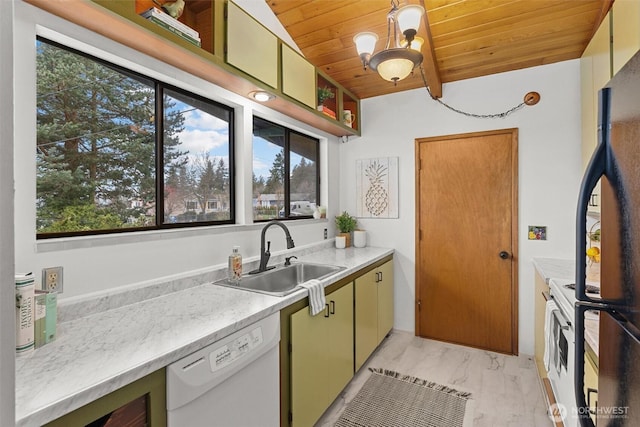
(282, 280)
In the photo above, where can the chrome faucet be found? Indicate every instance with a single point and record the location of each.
(266, 254)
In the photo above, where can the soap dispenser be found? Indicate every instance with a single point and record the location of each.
(235, 265)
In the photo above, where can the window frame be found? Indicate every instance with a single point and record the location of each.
(158, 87)
(287, 171)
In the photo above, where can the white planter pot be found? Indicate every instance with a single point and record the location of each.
(359, 238)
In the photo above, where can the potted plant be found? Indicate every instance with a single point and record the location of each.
(346, 224)
(324, 93)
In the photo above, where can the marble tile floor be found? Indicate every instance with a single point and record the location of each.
(506, 389)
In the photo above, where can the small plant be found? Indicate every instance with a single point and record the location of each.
(346, 223)
(324, 93)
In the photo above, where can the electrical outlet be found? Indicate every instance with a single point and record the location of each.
(325, 234)
(52, 279)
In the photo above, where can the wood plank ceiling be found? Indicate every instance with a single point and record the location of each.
(469, 38)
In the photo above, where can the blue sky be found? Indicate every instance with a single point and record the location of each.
(205, 133)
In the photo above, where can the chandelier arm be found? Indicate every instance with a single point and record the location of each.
(464, 113)
(389, 20)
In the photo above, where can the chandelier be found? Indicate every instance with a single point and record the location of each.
(397, 62)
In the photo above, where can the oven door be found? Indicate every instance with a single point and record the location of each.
(561, 366)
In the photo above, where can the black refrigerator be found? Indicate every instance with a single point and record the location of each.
(616, 162)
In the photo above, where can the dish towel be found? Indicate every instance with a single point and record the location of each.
(548, 333)
(317, 300)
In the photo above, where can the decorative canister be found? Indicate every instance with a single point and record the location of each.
(359, 238)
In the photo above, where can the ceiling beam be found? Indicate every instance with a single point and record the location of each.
(430, 65)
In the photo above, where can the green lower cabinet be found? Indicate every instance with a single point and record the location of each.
(321, 356)
(374, 310)
(141, 403)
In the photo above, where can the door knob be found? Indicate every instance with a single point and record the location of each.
(504, 254)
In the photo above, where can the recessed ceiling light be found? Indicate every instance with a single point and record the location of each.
(262, 96)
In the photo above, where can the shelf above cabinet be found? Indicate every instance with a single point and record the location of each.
(118, 21)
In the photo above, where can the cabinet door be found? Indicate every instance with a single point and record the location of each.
(540, 308)
(591, 386)
(366, 317)
(309, 379)
(385, 300)
(596, 72)
(626, 31)
(298, 77)
(251, 47)
(340, 340)
(141, 403)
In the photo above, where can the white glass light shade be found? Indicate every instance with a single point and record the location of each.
(395, 69)
(408, 17)
(365, 42)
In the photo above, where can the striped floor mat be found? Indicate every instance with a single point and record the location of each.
(390, 399)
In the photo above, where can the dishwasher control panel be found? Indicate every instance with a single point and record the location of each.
(234, 350)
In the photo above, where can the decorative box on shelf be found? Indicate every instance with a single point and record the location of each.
(327, 111)
(164, 20)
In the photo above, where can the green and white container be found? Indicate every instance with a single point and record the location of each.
(25, 313)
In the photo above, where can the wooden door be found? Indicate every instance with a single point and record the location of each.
(466, 270)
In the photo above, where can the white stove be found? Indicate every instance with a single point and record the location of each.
(560, 340)
(565, 297)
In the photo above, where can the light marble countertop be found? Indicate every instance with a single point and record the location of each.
(97, 354)
(554, 268)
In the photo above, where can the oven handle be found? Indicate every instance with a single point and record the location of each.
(562, 320)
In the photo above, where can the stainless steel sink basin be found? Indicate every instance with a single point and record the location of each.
(283, 280)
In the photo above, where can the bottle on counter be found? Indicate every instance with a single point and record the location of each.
(235, 265)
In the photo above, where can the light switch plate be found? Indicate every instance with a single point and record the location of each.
(52, 279)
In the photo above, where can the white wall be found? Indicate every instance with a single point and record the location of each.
(7, 292)
(94, 264)
(549, 166)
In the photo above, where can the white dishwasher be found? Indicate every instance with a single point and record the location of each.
(234, 382)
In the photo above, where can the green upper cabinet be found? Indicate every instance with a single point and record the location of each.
(251, 48)
(595, 70)
(298, 77)
(625, 31)
(236, 53)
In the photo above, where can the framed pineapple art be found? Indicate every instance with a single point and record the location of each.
(377, 188)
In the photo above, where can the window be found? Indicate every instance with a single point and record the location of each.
(99, 167)
(286, 178)
(196, 159)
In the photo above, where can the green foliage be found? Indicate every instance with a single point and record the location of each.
(324, 93)
(258, 185)
(303, 180)
(84, 218)
(346, 223)
(95, 136)
(96, 146)
(275, 182)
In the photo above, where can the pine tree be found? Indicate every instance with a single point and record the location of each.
(95, 139)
